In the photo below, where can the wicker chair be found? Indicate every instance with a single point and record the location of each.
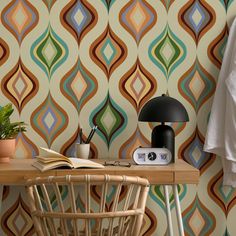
(91, 205)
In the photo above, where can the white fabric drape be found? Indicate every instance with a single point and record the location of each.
(221, 131)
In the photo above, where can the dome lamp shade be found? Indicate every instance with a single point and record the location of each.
(163, 109)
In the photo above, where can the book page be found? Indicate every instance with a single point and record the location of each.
(49, 166)
(46, 160)
(79, 163)
(45, 152)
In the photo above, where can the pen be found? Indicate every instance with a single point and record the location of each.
(80, 136)
(93, 130)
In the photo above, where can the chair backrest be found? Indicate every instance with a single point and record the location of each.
(91, 205)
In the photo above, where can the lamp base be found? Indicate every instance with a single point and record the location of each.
(163, 136)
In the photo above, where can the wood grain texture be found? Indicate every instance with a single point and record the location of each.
(18, 170)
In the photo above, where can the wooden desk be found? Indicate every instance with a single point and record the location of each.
(18, 170)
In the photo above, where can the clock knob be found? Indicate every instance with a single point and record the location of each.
(152, 156)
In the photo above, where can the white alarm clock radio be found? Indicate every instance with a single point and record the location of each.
(152, 156)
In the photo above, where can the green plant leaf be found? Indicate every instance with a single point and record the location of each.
(9, 130)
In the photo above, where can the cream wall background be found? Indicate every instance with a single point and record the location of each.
(71, 64)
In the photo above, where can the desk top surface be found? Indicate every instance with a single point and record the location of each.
(180, 172)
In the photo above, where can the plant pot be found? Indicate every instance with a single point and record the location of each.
(7, 149)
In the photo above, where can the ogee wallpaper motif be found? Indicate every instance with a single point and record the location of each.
(70, 64)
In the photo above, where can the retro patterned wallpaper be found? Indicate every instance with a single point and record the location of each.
(69, 64)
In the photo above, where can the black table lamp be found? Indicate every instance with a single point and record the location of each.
(163, 109)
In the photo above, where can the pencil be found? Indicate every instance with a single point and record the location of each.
(93, 130)
(81, 136)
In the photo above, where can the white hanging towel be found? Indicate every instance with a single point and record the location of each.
(221, 132)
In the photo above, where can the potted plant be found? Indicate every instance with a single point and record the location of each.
(8, 133)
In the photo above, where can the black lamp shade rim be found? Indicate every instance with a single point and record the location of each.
(163, 109)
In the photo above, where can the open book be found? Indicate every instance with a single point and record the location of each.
(49, 159)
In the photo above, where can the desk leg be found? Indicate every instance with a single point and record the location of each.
(178, 210)
(168, 213)
(1, 195)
